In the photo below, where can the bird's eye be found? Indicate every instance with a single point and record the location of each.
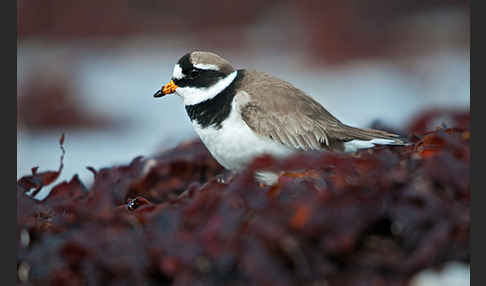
(194, 73)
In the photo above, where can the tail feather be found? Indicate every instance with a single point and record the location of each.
(368, 138)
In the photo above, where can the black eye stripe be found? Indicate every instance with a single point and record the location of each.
(206, 78)
(195, 72)
(185, 63)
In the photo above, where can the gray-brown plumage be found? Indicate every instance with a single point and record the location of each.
(278, 110)
(208, 58)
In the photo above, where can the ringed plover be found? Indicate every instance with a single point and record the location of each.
(241, 114)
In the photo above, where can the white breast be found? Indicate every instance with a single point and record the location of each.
(235, 145)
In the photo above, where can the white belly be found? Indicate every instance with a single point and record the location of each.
(235, 145)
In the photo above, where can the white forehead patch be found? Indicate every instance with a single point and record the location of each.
(177, 73)
(206, 67)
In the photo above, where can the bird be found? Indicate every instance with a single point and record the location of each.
(241, 114)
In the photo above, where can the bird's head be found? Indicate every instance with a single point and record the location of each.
(199, 76)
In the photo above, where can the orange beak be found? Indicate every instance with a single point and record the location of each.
(166, 89)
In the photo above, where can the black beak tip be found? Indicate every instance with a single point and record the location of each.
(158, 93)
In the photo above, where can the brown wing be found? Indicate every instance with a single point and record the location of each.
(281, 112)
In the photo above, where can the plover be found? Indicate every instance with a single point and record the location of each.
(242, 114)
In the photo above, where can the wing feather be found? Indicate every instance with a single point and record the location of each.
(279, 111)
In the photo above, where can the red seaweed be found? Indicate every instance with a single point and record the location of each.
(375, 217)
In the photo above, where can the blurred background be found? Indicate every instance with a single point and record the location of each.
(89, 68)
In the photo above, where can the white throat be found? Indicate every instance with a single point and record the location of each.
(195, 95)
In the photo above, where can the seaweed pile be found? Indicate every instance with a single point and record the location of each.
(377, 217)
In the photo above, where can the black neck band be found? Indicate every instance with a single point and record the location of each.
(213, 111)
